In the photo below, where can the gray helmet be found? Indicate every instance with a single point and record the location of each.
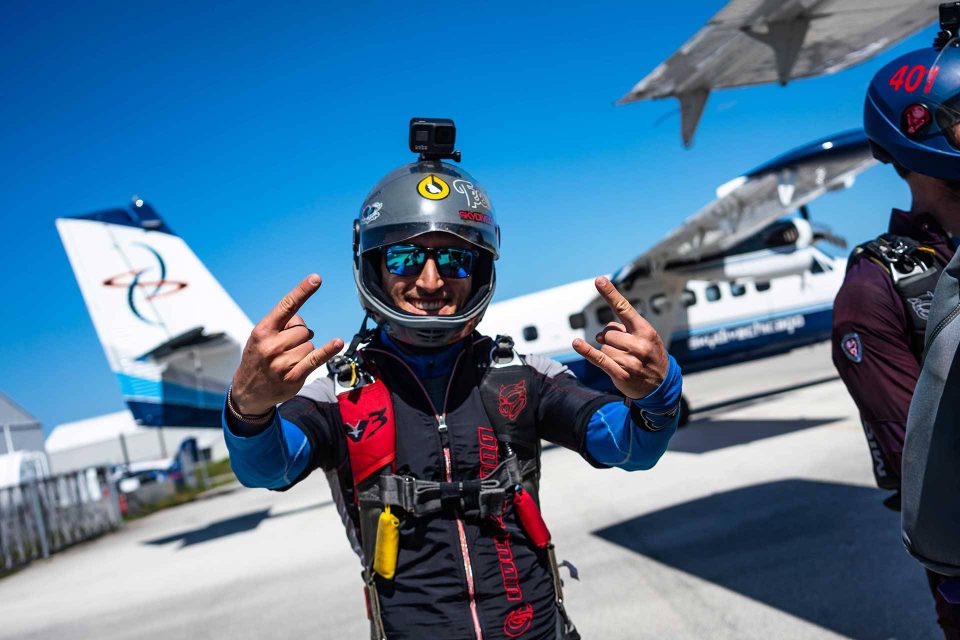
(410, 201)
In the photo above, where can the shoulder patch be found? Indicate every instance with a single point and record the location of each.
(852, 347)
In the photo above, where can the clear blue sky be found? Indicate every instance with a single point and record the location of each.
(256, 129)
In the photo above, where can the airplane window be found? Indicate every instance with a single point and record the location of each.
(659, 303)
(815, 266)
(688, 297)
(639, 306)
(712, 293)
(604, 314)
(737, 288)
(578, 321)
(530, 333)
(763, 285)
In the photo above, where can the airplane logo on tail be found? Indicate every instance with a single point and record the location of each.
(134, 281)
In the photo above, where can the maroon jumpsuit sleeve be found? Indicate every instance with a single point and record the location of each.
(871, 351)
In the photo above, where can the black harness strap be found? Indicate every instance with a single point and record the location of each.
(423, 497)
(510, 396)
(914, 271)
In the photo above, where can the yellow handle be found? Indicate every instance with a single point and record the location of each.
(388, 545)
(353, 376)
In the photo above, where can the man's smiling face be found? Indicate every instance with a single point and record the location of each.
(429, 293)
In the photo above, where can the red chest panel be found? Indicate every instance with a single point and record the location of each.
(370, 430)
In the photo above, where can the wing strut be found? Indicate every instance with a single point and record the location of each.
(786, 38)
(691, 108)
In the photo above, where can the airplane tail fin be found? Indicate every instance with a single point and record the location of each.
(172, 335)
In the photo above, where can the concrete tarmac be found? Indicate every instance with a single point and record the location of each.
(762, 521)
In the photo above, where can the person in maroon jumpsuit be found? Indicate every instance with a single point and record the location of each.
(879, 364)
(872, 349)
(916, 127)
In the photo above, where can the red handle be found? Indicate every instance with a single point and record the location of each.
(530, 519)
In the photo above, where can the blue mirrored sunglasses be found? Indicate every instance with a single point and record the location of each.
(408, 260)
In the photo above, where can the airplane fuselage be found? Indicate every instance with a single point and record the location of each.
(707, 315)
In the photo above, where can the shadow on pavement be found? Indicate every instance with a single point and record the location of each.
(708, 434)
(827, 553)
(752, 399)
(230, 526)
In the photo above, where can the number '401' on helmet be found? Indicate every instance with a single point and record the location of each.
(912, 111)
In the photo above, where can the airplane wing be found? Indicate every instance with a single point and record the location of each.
(752, 201)
(758, 41)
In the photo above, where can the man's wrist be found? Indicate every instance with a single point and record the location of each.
(667, 395)
(250, 418)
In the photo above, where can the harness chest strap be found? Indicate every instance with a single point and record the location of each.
(423, 497)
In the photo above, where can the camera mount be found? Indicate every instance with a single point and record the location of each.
(949, 24)
(434, 139)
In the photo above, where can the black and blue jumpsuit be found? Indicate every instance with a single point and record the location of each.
(457, 577)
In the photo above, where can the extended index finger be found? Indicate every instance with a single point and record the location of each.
(289, 304)
(632, 320)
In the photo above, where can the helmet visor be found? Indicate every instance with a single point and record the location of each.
(948, 121)
(934, 92)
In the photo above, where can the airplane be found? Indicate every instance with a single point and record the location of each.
(750, 42)
(171, 334)
(731, 283)
(734, 282)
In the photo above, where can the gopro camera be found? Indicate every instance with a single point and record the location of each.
(434, 138)
(949, 23)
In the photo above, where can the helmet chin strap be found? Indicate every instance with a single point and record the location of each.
(362, 336)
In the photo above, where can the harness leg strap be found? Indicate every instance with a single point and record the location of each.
(376, 622)
(565, 628)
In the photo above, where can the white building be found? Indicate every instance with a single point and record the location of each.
(20, 430)
(116, 438)
(22, 454)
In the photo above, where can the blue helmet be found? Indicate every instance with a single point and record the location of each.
(912, 111)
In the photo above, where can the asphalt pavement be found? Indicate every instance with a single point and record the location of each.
(761, 521)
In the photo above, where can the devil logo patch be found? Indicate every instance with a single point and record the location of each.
(513, 398)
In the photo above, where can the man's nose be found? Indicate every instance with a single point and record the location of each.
(429, 278)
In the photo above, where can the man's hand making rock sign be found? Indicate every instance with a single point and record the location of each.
(631, 351)
(279, 356)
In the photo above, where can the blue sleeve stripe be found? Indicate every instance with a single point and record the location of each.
(613, 439)
(272, 459)
(297, 450)
(606, 430)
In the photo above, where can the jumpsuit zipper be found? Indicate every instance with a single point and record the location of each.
(441, 418)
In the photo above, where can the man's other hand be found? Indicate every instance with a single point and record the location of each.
(631, 352)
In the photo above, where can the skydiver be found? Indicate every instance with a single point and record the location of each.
(421, 409)
(880, 314)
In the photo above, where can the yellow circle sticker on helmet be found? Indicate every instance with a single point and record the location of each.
(433, 188)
